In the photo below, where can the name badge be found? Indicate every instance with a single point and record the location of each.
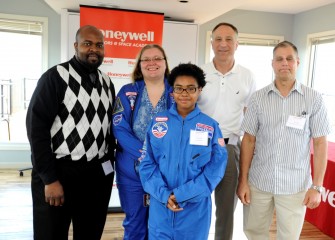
(296, 122)
(107, 167)
(199, 138)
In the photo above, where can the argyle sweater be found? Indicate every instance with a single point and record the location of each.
(69, 117)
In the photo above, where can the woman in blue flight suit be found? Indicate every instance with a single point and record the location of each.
(136, 104)
(184, 158)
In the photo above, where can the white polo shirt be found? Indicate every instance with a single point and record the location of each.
(224, 97)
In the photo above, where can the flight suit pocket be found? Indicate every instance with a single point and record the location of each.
(200, 159)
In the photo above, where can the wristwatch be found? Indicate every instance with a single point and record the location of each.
(320, 189)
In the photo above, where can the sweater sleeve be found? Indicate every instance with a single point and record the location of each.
(41, 113)
(111, 140)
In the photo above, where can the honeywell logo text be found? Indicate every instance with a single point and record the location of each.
(118, 75)
(148, 36)
(329, 196)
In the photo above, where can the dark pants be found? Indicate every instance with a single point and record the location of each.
(225, 196)
(136, 220)
(86, 192)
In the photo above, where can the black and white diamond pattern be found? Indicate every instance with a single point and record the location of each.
(82, 125)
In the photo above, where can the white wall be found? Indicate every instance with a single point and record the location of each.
(180, 42)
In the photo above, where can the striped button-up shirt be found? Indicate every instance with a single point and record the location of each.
(281, 161)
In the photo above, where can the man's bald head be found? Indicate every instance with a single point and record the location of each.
(87, 28)
(89, 47)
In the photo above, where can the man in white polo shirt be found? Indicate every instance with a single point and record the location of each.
(225, 97)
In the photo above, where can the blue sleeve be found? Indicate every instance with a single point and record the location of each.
(122, 129)
(203, 185)
(150, 175)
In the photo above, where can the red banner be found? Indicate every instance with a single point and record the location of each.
(125, 32)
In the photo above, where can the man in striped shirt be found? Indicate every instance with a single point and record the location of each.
(275, 169)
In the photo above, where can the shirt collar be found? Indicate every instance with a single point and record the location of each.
(297, 87)
(233, 70)
(80, 66)
(195, 112)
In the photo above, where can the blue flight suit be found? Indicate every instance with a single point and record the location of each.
(130, 189)
(173, 164)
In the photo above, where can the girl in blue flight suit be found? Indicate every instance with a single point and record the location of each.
(136, 104)
(183, 160)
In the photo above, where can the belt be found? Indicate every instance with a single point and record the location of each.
(226, 140)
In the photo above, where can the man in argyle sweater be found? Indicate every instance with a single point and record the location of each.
(68, 126)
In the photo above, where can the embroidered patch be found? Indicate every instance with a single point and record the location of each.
(118, 107)
(131, 93)
(161, 119)
(221, 142)
(131, 97)
(206, 128)
(117, 119)
(159, 129)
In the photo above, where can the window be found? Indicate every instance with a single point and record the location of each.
(321, 75)
(23, 40)
(255, 53)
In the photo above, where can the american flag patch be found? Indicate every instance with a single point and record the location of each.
(221, 142)
(159, 129)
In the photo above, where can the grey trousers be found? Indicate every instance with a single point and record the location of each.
(225, 195)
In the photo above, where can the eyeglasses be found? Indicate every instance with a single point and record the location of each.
(180, 90)
(154, 59)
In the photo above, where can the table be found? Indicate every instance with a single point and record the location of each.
(323, 217)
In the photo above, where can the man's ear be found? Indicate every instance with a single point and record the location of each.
(76, 47)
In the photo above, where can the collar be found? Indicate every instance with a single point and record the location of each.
(81, 67)
(231, 71)
(296, 87)
(194, 113)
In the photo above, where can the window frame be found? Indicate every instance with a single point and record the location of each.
(326, 36)
(256, 39)
(5, 145)
(44, 21)
(310, 39)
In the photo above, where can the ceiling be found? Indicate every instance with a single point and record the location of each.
(198, 11)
